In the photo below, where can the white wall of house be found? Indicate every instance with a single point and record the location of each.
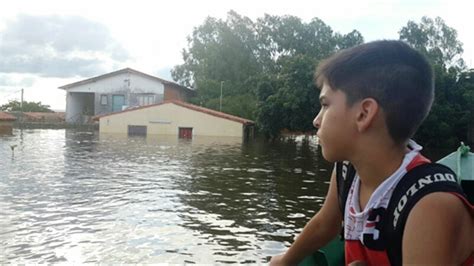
(166, 119)
(73, 107)
(121, 84)
(124, 81)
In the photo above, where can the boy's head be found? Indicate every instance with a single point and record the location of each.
(396, 76)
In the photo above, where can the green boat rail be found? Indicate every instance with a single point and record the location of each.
(461, 162)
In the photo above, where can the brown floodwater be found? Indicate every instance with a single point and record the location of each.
(71, 196)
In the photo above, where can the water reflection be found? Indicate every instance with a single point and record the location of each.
(80, 197)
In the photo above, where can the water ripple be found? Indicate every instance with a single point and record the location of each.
(68, 196)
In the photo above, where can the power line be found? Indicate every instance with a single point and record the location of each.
(15, 92)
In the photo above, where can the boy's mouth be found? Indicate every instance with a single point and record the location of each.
(318, 139)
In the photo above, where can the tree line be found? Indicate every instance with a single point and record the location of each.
(16, 106)
(265, 69)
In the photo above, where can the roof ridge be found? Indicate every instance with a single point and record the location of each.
(212, 110)
(116, 72)
(4, 116)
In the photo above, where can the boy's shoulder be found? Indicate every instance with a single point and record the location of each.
(419, 182)
(438, 229)
(423, 195)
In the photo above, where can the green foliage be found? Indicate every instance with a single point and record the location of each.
(222, 53)
(351, 39)
(265, 67)
(452, 112)
(13, 106)
(436, 40)
(290, 100)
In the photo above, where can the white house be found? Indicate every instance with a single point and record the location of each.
(117, 91)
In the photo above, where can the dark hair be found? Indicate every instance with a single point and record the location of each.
(398, 77)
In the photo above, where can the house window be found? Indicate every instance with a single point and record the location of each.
(137, 130)
(146, 99)
(103, 99)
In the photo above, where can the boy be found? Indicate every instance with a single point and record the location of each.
(373, 99)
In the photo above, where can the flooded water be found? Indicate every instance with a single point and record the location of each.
(68, 196)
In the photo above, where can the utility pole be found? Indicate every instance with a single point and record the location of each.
(21, 106)
(21, 102)
(220, 103)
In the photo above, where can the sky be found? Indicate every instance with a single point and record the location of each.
(50, 43)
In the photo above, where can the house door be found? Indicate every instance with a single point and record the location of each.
(185, 132)
(117, 102)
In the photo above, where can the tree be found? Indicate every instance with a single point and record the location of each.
(290, 100)
(466, 84)
(436, 40)
(348, 40)
(222, 53)
(287, 97)
(13, 106)
(265, 67)
(451, 113)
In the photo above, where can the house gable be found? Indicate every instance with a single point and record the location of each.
(120, 82)
(188, 106)
(125, 80)
(171, 117)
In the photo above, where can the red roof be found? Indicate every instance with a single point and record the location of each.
(6, 117)
(189, 106)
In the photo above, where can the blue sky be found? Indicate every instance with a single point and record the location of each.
(66, 41)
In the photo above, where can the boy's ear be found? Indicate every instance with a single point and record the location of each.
(366, 113)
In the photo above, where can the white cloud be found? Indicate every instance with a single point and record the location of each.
(149, 35)
(15, 80)
(57, 46)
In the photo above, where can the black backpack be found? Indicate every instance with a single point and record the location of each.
(416, 183)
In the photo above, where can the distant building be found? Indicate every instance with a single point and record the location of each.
(117, 91)
(6, 123)
(176, 118)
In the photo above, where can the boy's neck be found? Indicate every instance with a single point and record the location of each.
(377, 162)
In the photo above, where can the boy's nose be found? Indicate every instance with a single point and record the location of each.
(317, 122)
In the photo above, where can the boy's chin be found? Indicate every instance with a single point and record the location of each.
(330, 157)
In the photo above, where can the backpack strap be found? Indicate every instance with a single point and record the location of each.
(345, 174)
(417, 183)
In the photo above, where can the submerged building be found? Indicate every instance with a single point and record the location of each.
(6, 123)
(183, 120)
(117, 91)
